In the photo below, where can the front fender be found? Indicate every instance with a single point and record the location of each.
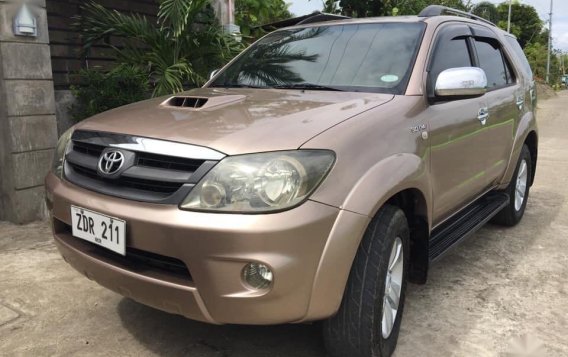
(387, 178)
(381, 182)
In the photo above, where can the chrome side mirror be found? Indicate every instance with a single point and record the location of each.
(213, 74)
(461, 82)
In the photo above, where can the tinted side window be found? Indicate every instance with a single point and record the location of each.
(450, 54)
(514, 45)
(492, 62)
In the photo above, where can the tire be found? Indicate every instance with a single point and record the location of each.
(357, 330)
(513, 212)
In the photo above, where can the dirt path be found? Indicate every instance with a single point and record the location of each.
(501, 284)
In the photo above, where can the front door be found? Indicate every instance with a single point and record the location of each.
(456, 128)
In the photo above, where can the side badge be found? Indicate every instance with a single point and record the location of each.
(418, 129)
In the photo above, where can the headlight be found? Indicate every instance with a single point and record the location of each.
(260, 182)
(60, 151)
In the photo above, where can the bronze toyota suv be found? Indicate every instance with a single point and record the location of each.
(310, 179)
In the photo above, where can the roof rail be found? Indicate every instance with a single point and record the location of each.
(322, 17)
(302, 20)
(438, 10)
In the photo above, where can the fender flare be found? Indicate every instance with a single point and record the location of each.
(527, 124)
(395, 174)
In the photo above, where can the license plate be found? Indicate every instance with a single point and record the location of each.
(108, 232)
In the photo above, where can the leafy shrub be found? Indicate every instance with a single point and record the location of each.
(176, 52)
(100, 91)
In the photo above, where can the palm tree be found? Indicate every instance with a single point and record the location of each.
(179, 50)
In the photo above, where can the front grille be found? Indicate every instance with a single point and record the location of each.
(168, 162)
(127, 182)
(143, 158)
(159, 262)
(140, 261)
(135, 260)
(148, 177)
(88, 149)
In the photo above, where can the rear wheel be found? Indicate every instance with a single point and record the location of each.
(518, 191)
(368, 321)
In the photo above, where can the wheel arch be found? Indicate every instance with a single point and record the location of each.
(339, 253)
(532, 143)
(413, 203)
(526, 134)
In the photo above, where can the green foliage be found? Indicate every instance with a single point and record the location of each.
(331, 7)
(252, 13)
(525, 22)
(101, 91)
(487, 10)
(176, 15)
(179, 51)
(529, 29)
(536, 55)
(369, 8)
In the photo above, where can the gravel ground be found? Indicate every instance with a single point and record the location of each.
(502, 289)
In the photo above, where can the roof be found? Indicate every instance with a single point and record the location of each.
(432, 13)
(307, 19)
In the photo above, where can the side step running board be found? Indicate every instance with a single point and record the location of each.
(465, 223)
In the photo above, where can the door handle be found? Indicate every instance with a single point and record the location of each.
(520, 102)
(483, 115)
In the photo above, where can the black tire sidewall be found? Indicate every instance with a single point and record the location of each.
(518, 214)
(355, 330)
(386, 347)
(510, 216)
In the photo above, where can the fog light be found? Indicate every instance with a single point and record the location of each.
(257, 276)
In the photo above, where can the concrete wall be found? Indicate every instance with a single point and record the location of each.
(28, 125)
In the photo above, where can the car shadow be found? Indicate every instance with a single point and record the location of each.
(172, 335)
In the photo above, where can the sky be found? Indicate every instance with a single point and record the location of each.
(559, 19)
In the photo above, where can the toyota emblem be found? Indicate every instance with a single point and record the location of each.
(111, 162)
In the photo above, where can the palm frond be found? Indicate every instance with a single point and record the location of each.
(175, 52)
(99, 23)
(178, 15)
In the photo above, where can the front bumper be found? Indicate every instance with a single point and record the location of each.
(215, 248)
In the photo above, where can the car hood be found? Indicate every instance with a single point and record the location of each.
(237, 121)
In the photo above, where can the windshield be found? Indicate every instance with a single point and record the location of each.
(364, 57)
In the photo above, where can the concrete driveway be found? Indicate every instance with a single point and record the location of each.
(502, 289)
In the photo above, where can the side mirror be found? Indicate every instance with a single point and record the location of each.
(461, 82)
(213, 74)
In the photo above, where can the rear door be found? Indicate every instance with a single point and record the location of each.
(505, 102)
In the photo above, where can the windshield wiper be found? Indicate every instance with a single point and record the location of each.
(234, 85)
(307, 86)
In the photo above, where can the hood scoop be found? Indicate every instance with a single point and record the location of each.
(201, 103)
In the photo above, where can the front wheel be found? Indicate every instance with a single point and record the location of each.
(368, 321)
(518, 191)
